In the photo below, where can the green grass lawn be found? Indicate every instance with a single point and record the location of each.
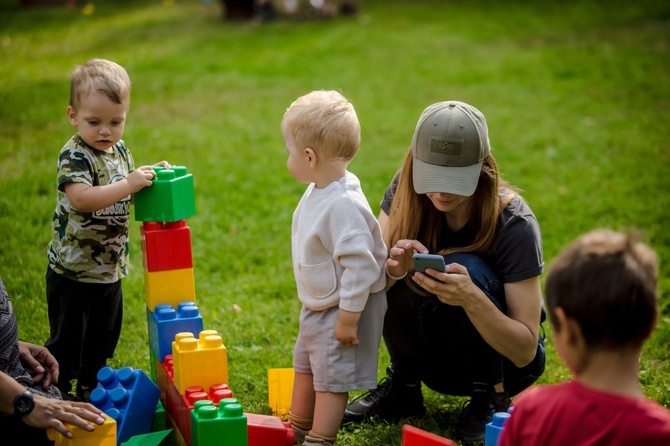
(576, 95)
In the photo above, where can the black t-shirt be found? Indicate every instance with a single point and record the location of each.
(517, 248)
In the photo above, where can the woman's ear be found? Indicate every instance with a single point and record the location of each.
(311, 156)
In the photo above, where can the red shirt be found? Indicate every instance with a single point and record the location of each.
(571, 414)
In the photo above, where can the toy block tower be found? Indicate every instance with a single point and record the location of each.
(180, 405)
(189, 363)
(166, 238)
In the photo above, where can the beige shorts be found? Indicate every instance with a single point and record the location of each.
(336, 367)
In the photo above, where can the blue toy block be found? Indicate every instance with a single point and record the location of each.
(130, 397)
(165, 322)
(170, 198)
(495, 428)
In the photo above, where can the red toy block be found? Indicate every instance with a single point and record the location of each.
(166, 246)
(268, 430)
(175, 406)
(413, 436)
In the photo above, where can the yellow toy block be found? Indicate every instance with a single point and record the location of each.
(104, 435)
(199, 362)
(169, 287)
(280, 391)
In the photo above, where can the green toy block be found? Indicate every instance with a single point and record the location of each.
(159, 422)
(170, 198)
(161, 438)
(223, 425)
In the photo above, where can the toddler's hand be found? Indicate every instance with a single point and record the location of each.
(140, 178)
(163, 163)
(345, 333)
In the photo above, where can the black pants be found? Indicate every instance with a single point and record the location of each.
(85, 321)
(16, 432)
(437, 344)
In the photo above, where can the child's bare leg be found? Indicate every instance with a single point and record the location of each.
(328, 414)
(302, 405)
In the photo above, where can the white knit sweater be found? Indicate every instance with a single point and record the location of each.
(338, 251)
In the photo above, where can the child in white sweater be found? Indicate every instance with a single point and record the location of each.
(339, 258)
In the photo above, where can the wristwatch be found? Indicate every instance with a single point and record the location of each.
(23, 404)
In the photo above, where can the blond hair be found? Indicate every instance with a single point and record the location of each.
(326, 122)
(102, 76)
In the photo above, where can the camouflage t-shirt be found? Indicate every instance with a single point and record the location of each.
(91, 246)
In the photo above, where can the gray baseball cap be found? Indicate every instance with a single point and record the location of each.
(450, 142)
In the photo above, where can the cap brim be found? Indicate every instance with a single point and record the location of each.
(445, 179)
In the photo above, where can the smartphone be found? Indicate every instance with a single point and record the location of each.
(423, 261)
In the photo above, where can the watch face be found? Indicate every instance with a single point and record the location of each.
(23, 404)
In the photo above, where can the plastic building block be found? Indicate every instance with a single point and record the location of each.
(179, 406)
(169, 287)
(179, 438)
(158, 423)
(262, 430)
(223, 425)
(130, 397)
(104, 435)
(268, 430)
(159, 438)
(280, 390)
(199, 362)
(413, 436)
(166, 246)
(170, 198)
(194, 417)
(166, 321)
(178, 412)
(495, 428)
(218, 392)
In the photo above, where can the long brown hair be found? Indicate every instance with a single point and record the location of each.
(413, 216)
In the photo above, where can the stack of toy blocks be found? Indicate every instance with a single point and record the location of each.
(196, 365)
(166, 239)
(189, 364)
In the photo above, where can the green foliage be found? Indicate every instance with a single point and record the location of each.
(576, 95)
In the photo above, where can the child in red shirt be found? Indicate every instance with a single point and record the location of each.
(602, 300)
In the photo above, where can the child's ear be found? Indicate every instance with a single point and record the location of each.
(71, 115)
(572, 330)
(311, 156)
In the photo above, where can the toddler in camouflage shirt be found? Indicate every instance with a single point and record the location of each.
(88, 252)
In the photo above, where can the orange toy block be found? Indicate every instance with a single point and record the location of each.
(280, 390)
